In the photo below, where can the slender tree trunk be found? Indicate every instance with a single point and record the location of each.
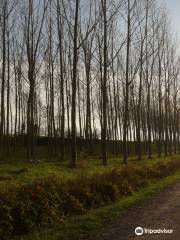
(126, 107)
(74, 88)
(104, 89)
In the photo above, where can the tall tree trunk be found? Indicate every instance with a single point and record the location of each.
(126, 107)
(4, 10)
(104, 88)
(74, 89)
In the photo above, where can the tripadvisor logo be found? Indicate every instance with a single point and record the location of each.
(140, 231)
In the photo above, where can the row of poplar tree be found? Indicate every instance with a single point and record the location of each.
(96, 69)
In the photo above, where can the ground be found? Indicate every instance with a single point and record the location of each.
(76, 228)
(13, 172)
(161, 211)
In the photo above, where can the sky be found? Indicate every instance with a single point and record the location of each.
(173, 7)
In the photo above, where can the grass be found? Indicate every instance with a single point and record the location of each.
(74, 228)
(80, 227)
(21, 172)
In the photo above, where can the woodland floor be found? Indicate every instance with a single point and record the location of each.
(161, 211)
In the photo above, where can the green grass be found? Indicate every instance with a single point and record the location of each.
(60, 170)
(75, 228)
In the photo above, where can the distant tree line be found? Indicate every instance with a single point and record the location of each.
(92, 69)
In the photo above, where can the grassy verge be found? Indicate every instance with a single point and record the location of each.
(18, 172)
(80, 227)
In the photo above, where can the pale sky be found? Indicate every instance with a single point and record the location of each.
(174, 10)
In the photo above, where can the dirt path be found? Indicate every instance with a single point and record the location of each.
(160, 212)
